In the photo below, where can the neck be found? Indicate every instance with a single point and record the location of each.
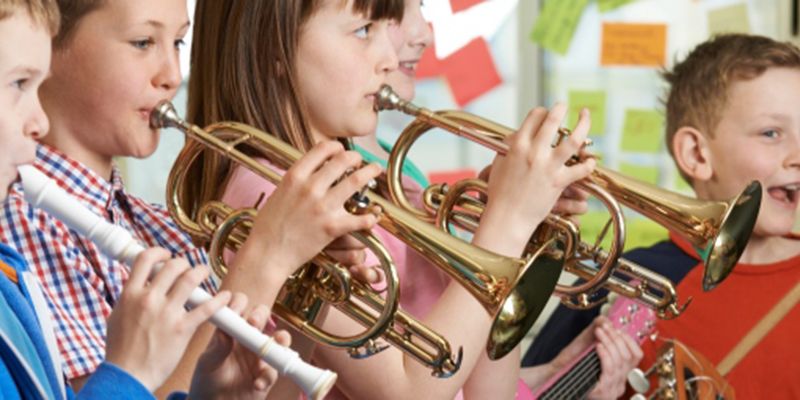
(769, 249)
(67, 144)
(370, 144)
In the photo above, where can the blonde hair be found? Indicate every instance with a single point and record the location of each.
(42, 12)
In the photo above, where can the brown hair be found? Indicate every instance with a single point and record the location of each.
(242, 69)
(699, 84)
(42, 12)
(72, 11)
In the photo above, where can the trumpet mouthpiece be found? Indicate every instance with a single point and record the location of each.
(387, 99)
(164, 115)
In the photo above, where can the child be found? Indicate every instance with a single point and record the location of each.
(113, 60)
(145, 342)
(312, 79)
(617, 351)
(731, 119)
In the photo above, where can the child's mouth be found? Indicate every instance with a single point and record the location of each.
(786, 194)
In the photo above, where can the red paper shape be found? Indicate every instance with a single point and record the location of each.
(470, 71)
(461, 5)
(451, 176)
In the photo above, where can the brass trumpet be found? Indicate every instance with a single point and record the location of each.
(719, 230)
(510, 291)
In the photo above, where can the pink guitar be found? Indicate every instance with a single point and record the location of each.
(578, 378)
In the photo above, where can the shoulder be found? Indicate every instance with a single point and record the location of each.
(665, 258)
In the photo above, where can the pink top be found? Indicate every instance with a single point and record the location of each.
(421, 283)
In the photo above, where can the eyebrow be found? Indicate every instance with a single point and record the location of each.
(159, 24)
(26, 69)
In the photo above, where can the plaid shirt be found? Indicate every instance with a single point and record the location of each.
(80, 283)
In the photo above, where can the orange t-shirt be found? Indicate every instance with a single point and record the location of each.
(716, 321)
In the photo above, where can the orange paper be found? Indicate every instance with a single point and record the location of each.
(634, 44)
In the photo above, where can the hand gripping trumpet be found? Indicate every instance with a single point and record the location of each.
(43, 193)
(511, 292)
(718, 230)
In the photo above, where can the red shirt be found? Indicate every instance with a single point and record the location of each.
(716, 321)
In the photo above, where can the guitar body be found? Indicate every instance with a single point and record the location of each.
(684, 374)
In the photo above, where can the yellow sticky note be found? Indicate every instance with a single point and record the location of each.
(608, 5)
(591, 224)
(595, 102)
(642, 232)
(643, 131)
(556, 24)
(681, 185)
(634, 44)
(643, 173)
(731, 19)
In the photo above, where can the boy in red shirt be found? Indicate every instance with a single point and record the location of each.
(732, 118)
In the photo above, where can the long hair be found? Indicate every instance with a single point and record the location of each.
(243, 69)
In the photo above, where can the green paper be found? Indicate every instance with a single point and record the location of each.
(731, 19)
(643, 173)
(643, 131)
(608, 5)
(556, 24)
(595, 101)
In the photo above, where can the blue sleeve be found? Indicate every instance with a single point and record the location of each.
(565, 324)
(112, 382)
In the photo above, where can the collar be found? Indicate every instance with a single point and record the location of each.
(78, 179)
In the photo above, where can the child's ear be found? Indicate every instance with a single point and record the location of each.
(690, 149)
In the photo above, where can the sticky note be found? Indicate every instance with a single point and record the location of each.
(643, 173)
(643, 131)
(643, 232)
(608, 5)
(730, 19)
(556, 24)
(634, 44)
(591, 224)
(595, 102)
(681, 185)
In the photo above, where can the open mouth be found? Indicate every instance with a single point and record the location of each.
(786, 194)
(409, 67)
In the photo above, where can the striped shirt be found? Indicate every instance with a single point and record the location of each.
(81, 284)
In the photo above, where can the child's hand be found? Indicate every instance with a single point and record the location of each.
(525, 184)
(149, 328)
(618, 354)
(306, 212)
(228, 370)
(573, 202)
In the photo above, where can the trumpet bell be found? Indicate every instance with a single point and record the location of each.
(524, 304)
(722, 253)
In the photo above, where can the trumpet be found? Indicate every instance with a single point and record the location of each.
(43, 193)
(511, 292)
(719, 230)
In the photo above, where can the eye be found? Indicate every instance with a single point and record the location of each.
(20, 84)
(771, 133)
(142, 44)
(179, 43)
(363, 32)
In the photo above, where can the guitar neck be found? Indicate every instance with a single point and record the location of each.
(577, 381)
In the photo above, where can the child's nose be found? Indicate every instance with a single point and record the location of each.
(37, 125)
(169, 74)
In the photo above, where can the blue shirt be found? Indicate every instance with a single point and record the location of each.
(26, 369)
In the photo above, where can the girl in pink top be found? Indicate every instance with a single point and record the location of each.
(307, 72)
